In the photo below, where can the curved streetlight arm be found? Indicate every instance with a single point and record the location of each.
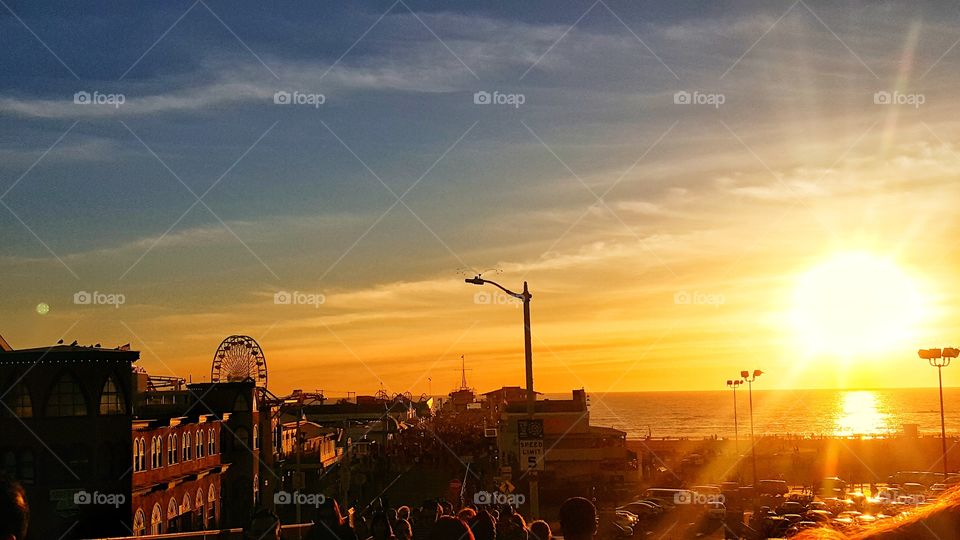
(480, 281)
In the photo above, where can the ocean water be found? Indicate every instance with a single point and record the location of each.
(796, 412)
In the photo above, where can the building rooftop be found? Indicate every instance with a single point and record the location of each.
(68, 353)
(506, 389)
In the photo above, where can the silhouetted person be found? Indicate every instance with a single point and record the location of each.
(403, 530)
(540, 530)
(425, 519)
(264, 525)
(484, 526)
(14, 510)
(578, 519)
(380, 528)
(450, 528)
(330, 524)
(516, 528)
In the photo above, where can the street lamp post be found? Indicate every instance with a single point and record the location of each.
(940, 358)
(746, 376)
(734, 384)
(525, 297)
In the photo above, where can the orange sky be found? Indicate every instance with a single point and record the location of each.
(663, 242)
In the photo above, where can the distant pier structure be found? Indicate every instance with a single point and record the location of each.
(463, 397)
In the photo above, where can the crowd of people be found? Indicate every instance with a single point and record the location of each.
(433, 520)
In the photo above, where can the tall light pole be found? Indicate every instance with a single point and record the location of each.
(735, 383)
(940, 358)
(746, 376)
(525, 297)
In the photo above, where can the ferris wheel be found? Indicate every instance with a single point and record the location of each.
(239, 358)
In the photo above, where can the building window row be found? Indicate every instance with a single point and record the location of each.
(200, 514)
(180, 517)
(186, 450)
(66, 398)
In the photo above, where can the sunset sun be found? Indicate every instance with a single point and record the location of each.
(855, 302)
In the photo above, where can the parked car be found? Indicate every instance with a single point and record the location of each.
(790, 507)
(626, 518)
(643, 509)
(774, 488)
(716, 510)
(801, 526)
(819, 516)
(913, 488)
(669, 496)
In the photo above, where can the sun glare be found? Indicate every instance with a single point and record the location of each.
(855, 303)
(859, 414)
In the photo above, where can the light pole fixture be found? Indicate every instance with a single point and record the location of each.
(940, 358)
(525, 297)
(734, 384)
(749, 378)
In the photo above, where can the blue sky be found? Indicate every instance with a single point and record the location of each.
(597, 177)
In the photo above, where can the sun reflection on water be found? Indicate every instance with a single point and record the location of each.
(859, 414)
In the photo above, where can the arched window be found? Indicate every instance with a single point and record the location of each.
(185, 513)
(18, 400)
(171, 449)
(139, 527)
(174, 449)
(187, 449)
(172, 512)
(200, 521)
(66, 398)
(199, 443)
(143, 454)
(211, 442)
(136, 455)
(212, 507)
(156, 520)
(154, 452)
(111, 400)
(256, 437)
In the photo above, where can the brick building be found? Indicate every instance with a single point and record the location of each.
(177, 471)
